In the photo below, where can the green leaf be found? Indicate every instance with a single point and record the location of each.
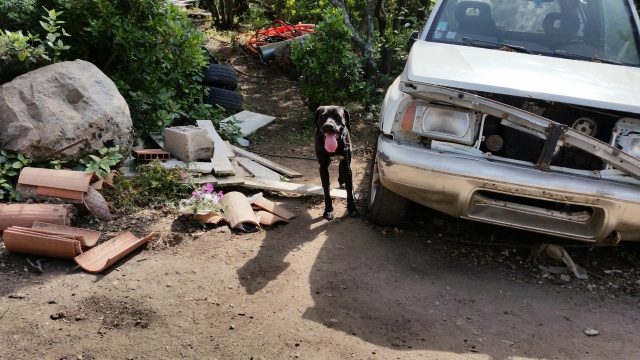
(17, 165)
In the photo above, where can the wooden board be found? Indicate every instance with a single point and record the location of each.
(258, 170)
(221, 153)
(249, 121)
(303, 189)
(195, 166)
(268, 163)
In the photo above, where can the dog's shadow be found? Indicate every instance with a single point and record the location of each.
(269, 263)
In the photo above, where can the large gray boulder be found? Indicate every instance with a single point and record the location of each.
(49, 108)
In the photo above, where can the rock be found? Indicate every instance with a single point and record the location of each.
(49, 108)
(565, 277)
(591, 332)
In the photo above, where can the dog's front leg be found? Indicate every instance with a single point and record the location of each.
(345, 168)
(324, 176)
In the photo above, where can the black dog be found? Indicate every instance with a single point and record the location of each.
(332, 139)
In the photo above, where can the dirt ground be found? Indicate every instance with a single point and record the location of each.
(433, 288)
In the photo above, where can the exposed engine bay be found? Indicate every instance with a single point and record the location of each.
(615, 128)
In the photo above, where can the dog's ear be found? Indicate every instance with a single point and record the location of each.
(347, 122)
(319, 111)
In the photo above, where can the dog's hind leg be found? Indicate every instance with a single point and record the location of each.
(324, 176)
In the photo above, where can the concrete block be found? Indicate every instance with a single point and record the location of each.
(188, 143)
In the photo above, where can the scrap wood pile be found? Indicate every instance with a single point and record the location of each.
(201, 150)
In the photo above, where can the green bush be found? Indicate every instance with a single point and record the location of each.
(147, 47)
(151, 52)
(16, 13)
(19, 53)
(333, 70)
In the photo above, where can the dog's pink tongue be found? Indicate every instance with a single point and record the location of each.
(331, 142)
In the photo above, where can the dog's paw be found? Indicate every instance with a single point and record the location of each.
(328, 215)
(354, 213)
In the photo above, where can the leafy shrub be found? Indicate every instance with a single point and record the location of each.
(15, 13)
(333, 71)
(19, 52)
(101, 165)
(153, 184)
(147, 47)
(10, 165)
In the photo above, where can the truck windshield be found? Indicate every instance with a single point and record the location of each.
(573, 29)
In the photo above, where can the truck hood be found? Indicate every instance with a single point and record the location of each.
(576, 82)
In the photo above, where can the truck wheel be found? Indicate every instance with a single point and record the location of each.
(228, 99)
(384, 207)
(222, 76)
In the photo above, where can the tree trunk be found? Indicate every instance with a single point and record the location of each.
(366, 46)
(215, 14)
(386, 52)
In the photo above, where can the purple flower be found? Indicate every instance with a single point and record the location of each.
(184, 176)
(209, 188)
(196, 194)
(220, 194)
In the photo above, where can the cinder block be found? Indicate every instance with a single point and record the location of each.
(188, 143)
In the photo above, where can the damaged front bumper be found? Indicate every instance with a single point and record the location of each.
(593, 206)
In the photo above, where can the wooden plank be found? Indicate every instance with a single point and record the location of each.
(268, 163)
(196, 166)
(218, 142)
(221, 154)
(249, 121)
(258, 170)
(303, 189)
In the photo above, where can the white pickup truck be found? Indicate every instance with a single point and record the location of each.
(521, 113)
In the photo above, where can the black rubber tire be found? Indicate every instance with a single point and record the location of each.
(384, 207)
(228, 99)
(220, 76)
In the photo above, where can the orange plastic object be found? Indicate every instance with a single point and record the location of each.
(268, 219)
(88, 237)
(26, 214)
(106, 254)
(274, 208)
(23, 241)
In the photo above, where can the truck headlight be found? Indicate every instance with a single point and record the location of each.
(441, 122)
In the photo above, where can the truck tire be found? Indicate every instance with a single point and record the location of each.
(384, 207)
(228, 99)
(220, 76)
